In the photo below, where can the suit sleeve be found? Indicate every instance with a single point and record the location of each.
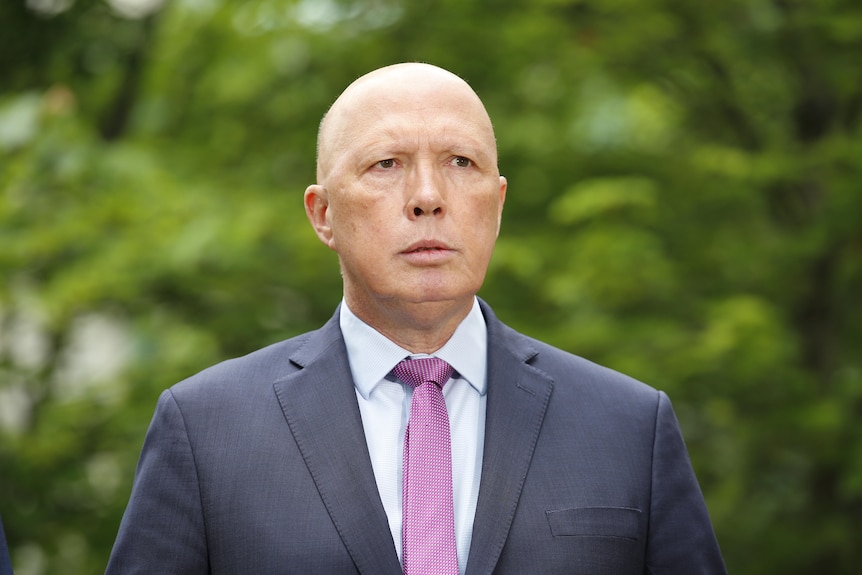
(162, 530)
(681, 538)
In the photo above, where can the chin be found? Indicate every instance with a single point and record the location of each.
(437, 294)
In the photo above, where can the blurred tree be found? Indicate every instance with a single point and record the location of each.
(683, 206)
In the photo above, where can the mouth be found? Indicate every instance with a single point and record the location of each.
(427, 246)
(428, 253)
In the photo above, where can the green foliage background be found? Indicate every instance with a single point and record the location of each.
(683, 206)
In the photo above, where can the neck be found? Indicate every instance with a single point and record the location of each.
(417, 327)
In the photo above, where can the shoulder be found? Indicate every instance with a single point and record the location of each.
(568, 369)
(570, 373)
(260, 363)
(259, 369)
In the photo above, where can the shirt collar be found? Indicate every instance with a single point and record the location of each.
(372, 355)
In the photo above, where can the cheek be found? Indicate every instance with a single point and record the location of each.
(359, 205)
(484, 224)
(362, 236)
(486, 211)
(348, 215)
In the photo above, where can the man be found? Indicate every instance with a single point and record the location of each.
(294, 459)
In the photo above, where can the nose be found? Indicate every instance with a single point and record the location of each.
(426, 193)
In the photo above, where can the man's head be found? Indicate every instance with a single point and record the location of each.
(408, 194)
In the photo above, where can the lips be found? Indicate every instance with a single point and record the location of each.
(427, 246)
(428, 253)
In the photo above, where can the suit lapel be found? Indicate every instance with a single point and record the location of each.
(517, 399)
(319, 403)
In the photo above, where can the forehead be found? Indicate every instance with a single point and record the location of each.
(437, 111)
(410, 124)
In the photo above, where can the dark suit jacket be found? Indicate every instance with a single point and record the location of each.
(5, 562)
(259, 465)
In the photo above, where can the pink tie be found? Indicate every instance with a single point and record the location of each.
(428, 531)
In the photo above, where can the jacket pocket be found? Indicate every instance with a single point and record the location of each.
(621, 522)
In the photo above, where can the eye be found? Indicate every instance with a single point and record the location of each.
(386, 164)
(461, 162)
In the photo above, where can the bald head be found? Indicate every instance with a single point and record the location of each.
(374, 94)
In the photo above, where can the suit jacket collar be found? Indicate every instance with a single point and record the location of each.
(518, 396)
(319, 404)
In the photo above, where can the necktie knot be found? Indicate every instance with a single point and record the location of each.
(415, 372)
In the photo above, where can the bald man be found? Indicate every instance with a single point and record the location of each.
(292, 459)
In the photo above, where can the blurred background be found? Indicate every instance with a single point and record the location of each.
(684, 205)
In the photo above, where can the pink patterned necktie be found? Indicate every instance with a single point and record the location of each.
(428, 530)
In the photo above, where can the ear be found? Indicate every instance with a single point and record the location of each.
(503, 186)
(317, 209)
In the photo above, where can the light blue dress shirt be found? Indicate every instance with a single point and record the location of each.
(384, 404)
